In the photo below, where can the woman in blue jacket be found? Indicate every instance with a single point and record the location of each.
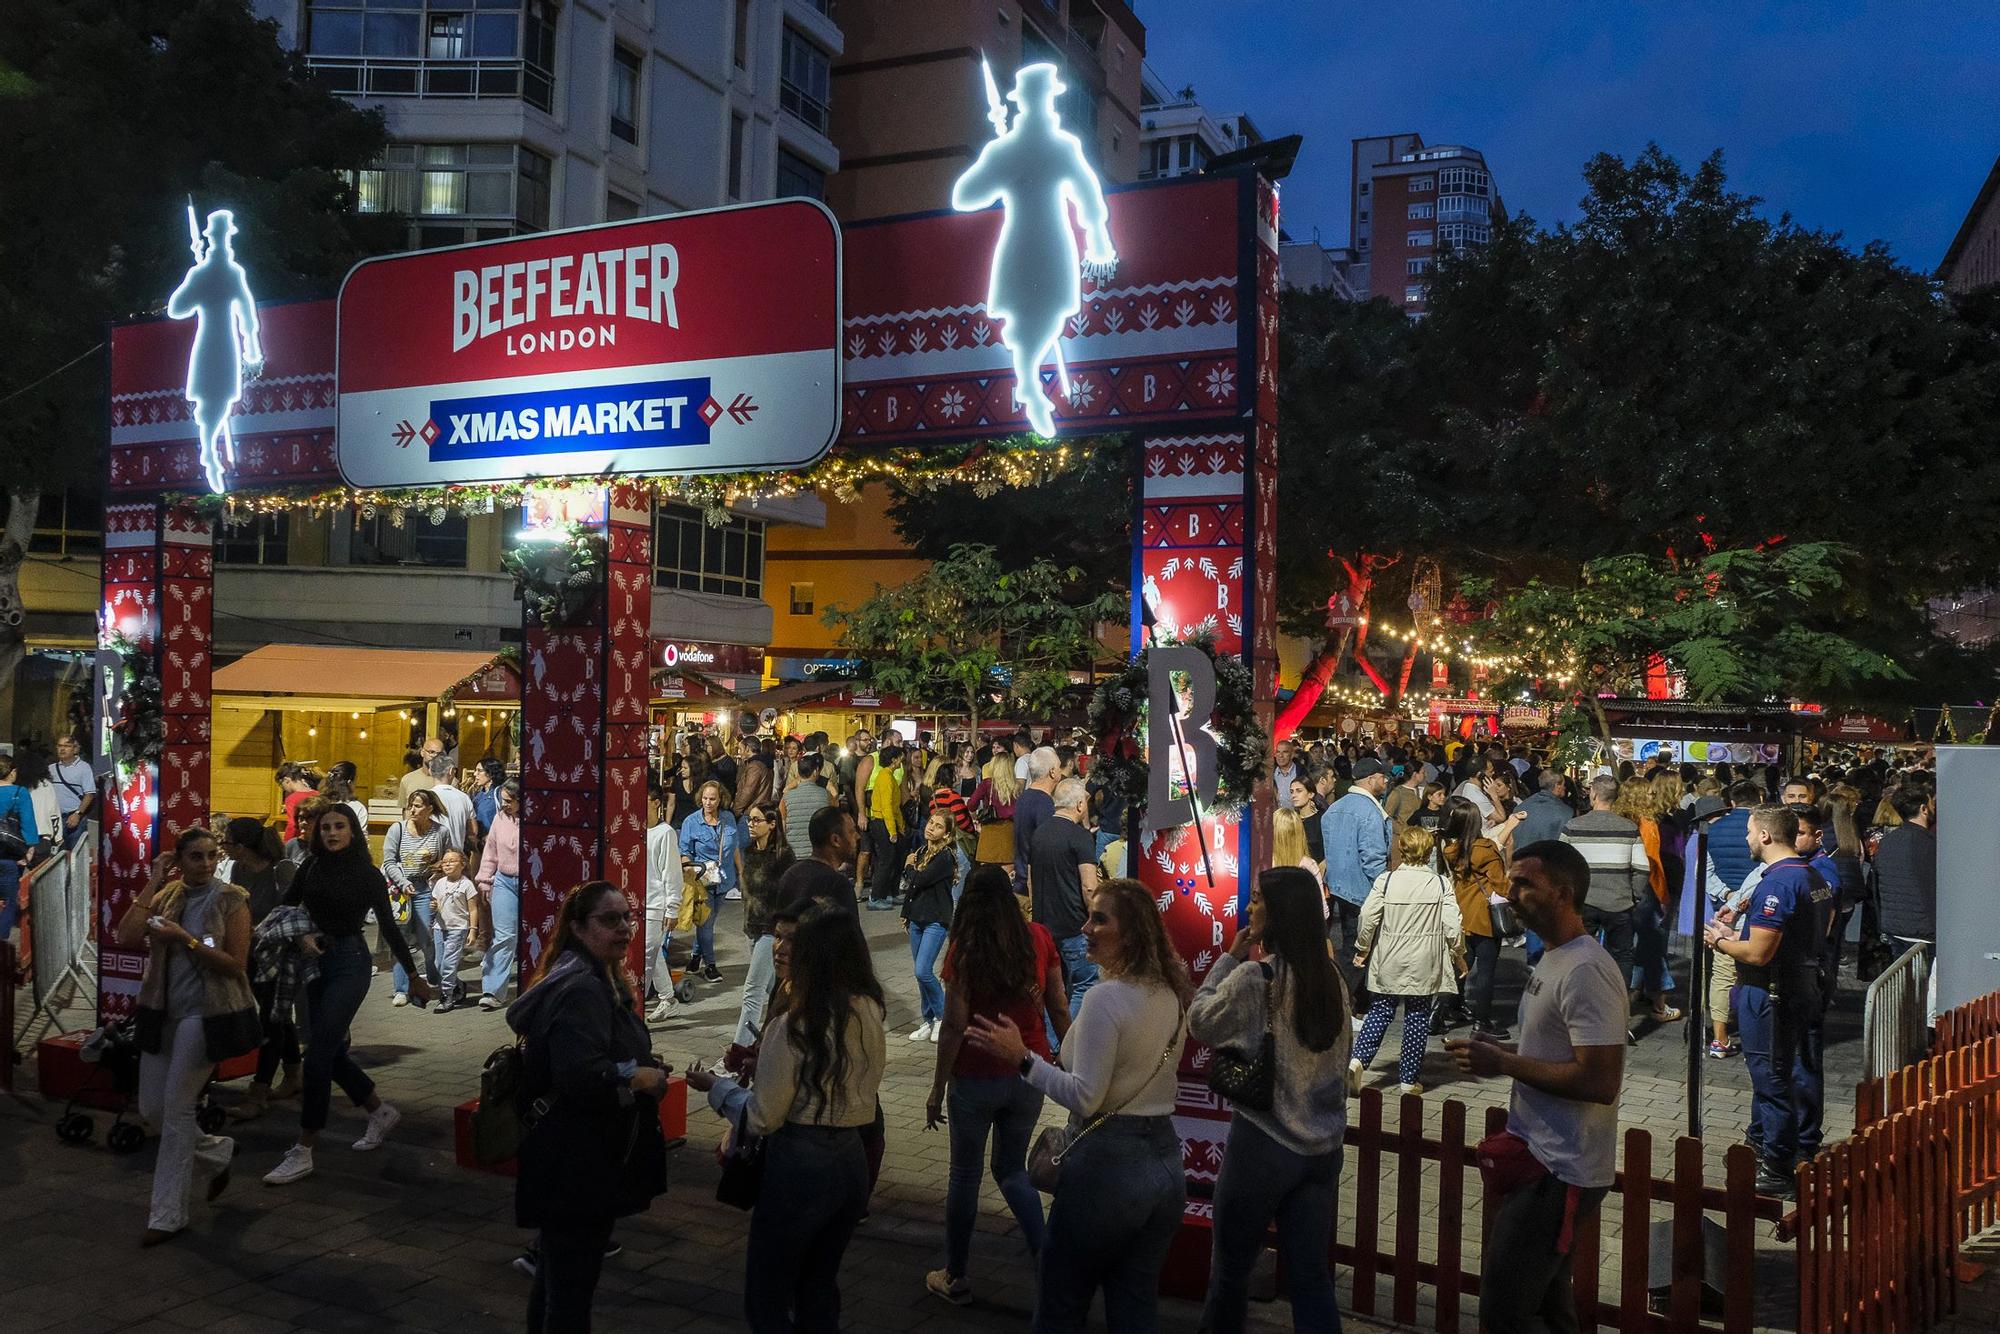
(708, 852)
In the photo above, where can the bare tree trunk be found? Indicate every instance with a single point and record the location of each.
(22, 506)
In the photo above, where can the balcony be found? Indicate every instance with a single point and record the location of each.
(392, 76)
(808, 109)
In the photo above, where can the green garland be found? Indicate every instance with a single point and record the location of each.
(142, 723)
(558, 580)
(1243, 742)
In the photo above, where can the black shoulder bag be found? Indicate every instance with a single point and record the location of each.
(1250, 1081)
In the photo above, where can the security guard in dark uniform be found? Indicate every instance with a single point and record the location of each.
(1778, 947)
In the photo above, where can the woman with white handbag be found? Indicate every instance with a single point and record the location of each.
(1122, 1187)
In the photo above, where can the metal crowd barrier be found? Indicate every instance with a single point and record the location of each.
(1895, 1023)
(58, 957)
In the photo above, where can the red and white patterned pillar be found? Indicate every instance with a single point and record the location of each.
(584, 692)
(1207, 555)
(158, 593)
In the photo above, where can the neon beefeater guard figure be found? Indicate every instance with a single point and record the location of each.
(1036, 170)
(217, 292)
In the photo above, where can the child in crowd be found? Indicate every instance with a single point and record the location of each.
(454, 918)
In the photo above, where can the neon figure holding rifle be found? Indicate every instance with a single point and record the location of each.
(1036, 171)
(217, 291)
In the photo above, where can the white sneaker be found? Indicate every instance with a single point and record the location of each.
(1354, 1072)
(936, 1024)
(380, 1122)
(733, 896)
(660, 1012)
(400, 998)
(1411, 1088)
(923, 1032)
(297, 1163)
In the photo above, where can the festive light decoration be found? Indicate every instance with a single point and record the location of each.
(1035, 170)
(1118, 711)
(216, 291)
(558, 576)
(988, 469)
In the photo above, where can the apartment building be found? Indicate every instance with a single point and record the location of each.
(1973, 260)
(1409, 203)
(1178, 136)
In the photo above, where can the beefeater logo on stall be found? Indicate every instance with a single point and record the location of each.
(698, 342)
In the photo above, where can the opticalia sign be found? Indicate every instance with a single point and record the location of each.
(700, 342)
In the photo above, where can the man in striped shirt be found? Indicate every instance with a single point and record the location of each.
(1618, 871)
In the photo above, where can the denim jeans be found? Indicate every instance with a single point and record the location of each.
(757, 983)
(1649, 946)
(704, 935)
(886, 871)
(170, 1084)
(1078, 970)
(417, 934)
(10, 893)
(448, 952)
(496, 970)
(332, 1000)
(1262, 1181)
(281, 1033)
(1524, 1283)
(926, 943)
(1617, 929)
(1347, 917)
(815, 1190)
(1476, 987)
(1123, 1192)
(1009, 1108)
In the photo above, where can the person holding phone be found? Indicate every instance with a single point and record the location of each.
(591, 1150)
(338, 886)
(195, 1008)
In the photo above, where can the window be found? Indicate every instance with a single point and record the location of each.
(1418, 184)
(804, 84)
(1464, 181)
(458, 192)
(1419, 239)
(1364, 215)
(625, 75)
(416, 541)
(799, 178)
(802, 599)
(691, 554)
(1414, 292)
(738, 129)
(68, 524)
(1422, 211)
(1465, 206)
(435, 48)
(1456, 234)
(742, 37)
(254, 539)
(1159, 160)
(1416, 266)
(1362, 244)
(1364, 189)
(617, 208)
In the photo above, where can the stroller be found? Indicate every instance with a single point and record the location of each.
(114, 1051)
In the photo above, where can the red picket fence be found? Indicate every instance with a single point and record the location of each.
(1401, 1160)
(1970, 1023)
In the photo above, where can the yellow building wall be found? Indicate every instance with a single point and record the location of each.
(840, 565)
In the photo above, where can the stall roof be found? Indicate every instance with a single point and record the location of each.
(794, 693)
(298, 673)
(708, 689)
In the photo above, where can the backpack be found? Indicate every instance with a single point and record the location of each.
(499, 1123)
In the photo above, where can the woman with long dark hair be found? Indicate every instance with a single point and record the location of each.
(761, 862)
(1282, 1162)
(927, 881)
(195, 1008)
(338, 886)
(995, 963)
(1478, 874)
(592, 1152)
(258, 865)
(819, 1071)
(1123, 1189)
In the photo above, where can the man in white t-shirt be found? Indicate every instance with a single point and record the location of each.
(1567, 1070)
(457, 806)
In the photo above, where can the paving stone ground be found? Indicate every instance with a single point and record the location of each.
(403, 1239)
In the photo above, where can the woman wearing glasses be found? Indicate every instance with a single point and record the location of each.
(592, 1151)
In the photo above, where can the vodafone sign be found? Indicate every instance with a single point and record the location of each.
(700, 342)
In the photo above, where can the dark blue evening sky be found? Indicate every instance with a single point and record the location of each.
(1873, 120)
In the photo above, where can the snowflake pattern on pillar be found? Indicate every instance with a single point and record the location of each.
(584, 697)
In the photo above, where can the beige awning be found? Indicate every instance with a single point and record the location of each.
(334, 676)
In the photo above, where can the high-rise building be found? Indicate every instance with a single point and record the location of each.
(1177, 135)
(511, 116)
(1409, 204)
(1307, 265)
(1973, 260)
(908, 111)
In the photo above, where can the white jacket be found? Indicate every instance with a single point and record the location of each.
(1409, 933)
(663, 871)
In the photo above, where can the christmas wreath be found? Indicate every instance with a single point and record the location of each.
(142, 726)
(558, 578)
(1118, 712)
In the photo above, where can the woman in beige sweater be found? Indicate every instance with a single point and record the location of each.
(819, 1070)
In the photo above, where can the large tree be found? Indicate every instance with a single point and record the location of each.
(116, 113)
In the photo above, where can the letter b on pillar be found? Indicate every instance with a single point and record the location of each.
(1176, 742)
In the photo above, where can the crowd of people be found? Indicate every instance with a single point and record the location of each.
(1395, 879)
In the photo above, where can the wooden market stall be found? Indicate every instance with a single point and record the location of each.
(320, 703)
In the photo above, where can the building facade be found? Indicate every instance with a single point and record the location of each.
(1308, 265)
(1177, 136)
(1973, 261)
(909, 113)
(1409, 204)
